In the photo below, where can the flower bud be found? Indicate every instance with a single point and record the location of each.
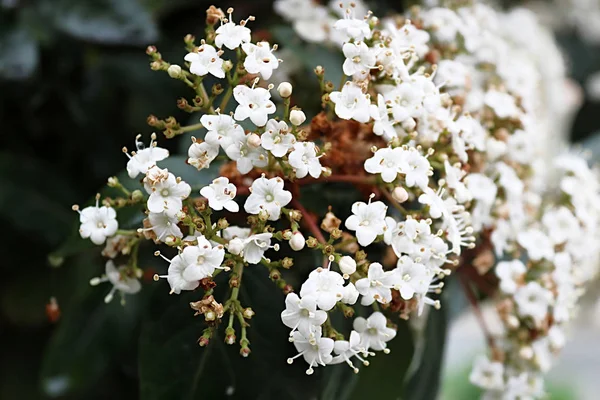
(312, 242)
(227, 65)
(263, 215)
(287, 263)
(235, 246)
(248, 313)
(287, 234)
(297, 117)
(284, 89)
(254, 140)
(400, 194)
(113, 181)
(526, 353)
(297, 241)
(174, 71)
(347, 265)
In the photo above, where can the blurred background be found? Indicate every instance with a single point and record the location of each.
(75, 87)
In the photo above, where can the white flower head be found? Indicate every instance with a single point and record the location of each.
(304, 160)
(537, 244)
(388, 162)
(121, 278)
(315, 350)
(533, 301)
(247, 155)
(269, 195)
(201, 154)
(165, 194)
(222, 129)
(411, 277)
(352, 28)
(325, 286)
(502, 103)
(368, 220)
(231, 35)
(97, 223)
(376, 286)
(383, 126)
(417, 169)
(205, 60)
(277, 138)
(374, 333)
(253, 103)
(301, 314)
(511, 274)
(260, 59)
(164, 225)
(144, 157)
(352, 103)
(220, 194)
(487, 374)
(255, 246)
(359, 59)
(345, 350)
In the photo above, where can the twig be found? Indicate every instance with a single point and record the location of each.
(309, 221)
(478, 314)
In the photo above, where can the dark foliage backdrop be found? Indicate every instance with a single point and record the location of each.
(74, 88)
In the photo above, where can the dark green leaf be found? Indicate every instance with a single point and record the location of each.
(18, 53)
(105, 21)
(424, 382)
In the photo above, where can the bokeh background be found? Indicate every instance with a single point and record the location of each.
(75, 87)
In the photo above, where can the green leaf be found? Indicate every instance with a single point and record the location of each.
(89, 336)
(387, 371)
(173, 366)
(424, 383)
(18, 53)
(105, 21)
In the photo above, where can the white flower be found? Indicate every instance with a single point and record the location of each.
(304, 160)
(193, 264)
(533, 301)
(502, 103)
(253, 103)
(205, 60)
(315, 350)
(346, 349)
(383, 126)
(487, 374)
(388, 162)
(368, 220)
(351, 103)
(97, 223)
(246, 155)
(222, 129)
(347, 265)
(352, 28)
(231, 35)
(373, 331)
(511, 274)
(297, 242)
(166, 194)
(561, 225)
(359, 59)
(437, 206)
(411, 277)
(121, 280)
(277, 138)
(406, 100)
(542, 353)
(376, 286)
(417, 169)
(201, 154)
(254, 247)
(325, 286)
(220, 194)
(163, 225)
(260, 59)
(144, 158)
(453, 177)
(301, 314)
(349, 294)
(537, 244)
(297, 117)
(269, 195)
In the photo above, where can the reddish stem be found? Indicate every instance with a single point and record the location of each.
(357, 179)
(309, 222)
(475, 305)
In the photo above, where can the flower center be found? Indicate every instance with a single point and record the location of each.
(100, 225)
(372, 331)
(366, 222)
(269, 198)
(305, 313)
(164, 192)
(200, 260)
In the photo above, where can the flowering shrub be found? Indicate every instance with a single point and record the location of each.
(443, 139)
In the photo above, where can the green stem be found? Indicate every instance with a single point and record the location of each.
(191, 128)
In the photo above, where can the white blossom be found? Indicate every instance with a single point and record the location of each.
(201, 154)
(345, 350)
(301, 314)
(277, 138)
(388, 162)
(304, 160)
(231, 35)
(374, 333)
(376, 286)
(325, 286)
(121, 279)
(359, 59)
(533, 301)
(247, 155)
(269, 195)
(97, 223)
(164, 225)
(205, 60)
(166, 193)
(368, 220)
(260, 59)
(253, 103)
(511, 274)
(487, 374)
(315, 350)
(351, 103)
(144, 158)
(220, 194)
(222, 129)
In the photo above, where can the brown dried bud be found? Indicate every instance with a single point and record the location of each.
(330, 222)
(287, 262)
(214, 15)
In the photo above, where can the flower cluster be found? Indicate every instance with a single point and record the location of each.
(440, 117)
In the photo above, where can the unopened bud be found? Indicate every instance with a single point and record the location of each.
(227, 65)
(248, 313)
(284, 89)
(400, 194)
(263, 215)
(254, 140)
(287, 263)
(113, 181)
(222, 223)
(297, 241)
(174, 71)
(312, 242)
(297, 117)
(347, 265)
(235, 246)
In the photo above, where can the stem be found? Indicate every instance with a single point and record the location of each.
(309, 221)
(475, 305)
(191, 128)
(226, 98)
